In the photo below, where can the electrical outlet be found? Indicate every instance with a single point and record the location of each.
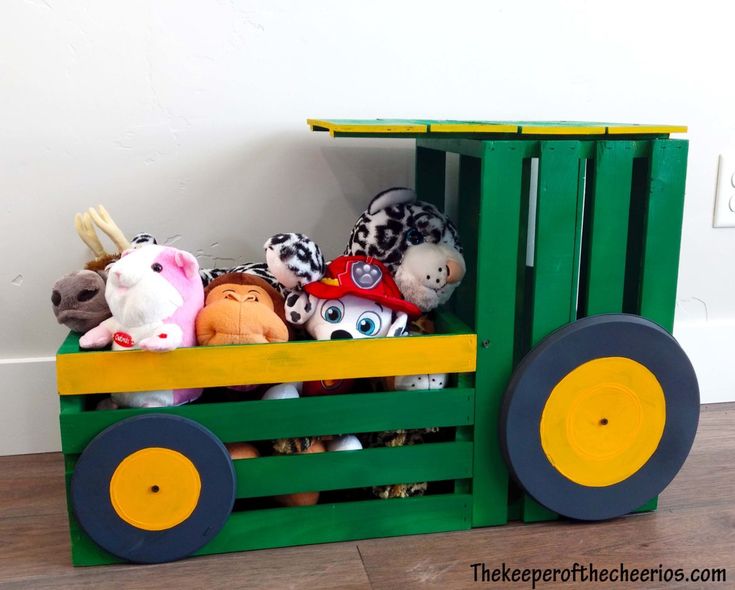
(725, 197)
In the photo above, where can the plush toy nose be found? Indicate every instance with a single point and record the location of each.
(341, 335)
(455, 272)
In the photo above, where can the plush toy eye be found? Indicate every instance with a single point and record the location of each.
(333, 311)
(414, 237)
(368, 324)
(156, 267)
(86, 294)
(55, 297)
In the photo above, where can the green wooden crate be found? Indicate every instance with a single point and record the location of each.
(606, 230)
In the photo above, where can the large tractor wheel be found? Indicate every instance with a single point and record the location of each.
(153, 488)
(600, 416)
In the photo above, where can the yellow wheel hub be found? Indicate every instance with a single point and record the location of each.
(603, 421)
(155, 489)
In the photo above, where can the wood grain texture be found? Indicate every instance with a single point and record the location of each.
(691, 529)
(214, 366)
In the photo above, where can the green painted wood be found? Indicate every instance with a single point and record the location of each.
(660, 257)
(606, 231)
(556, 254)
(499, 221)
(556, 238)
(463, 300)
(70, 404)
(270, 476)
(84, 551)
(70, 344)
(431, 166)
(464, 147)
(576, 262)
(324, 523)
(309, 416)
(649, 506)
(636, 231)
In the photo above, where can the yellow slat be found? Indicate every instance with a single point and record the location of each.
(641, 129)
(212, 366)
(562, 130)
(473, 128)
(366, 128)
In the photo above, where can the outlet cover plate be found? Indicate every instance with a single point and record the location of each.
(725, 197)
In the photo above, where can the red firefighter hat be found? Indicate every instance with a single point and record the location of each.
(361, 276)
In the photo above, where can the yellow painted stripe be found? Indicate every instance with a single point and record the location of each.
(366, 128)
(641, 129)
(212, 366)
(473, 128)
(562, 130)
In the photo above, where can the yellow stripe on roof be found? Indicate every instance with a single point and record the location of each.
(377, 127)
(641, 129)
(473, 128)
(562, 130)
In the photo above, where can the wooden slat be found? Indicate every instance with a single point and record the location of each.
(562, 129)
(431, 166)
(626, 129)
(341, 522)
(378, 126)
(323, 523)
(555, 255)
(472, 127)
(660, 264)
(500, 195)
(607, 231)
(211, 366)
(556, 238)
(308, 416)
(269, 476)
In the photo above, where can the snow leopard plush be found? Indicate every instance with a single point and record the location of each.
(416, 241)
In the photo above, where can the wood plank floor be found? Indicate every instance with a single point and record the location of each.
(693, 528)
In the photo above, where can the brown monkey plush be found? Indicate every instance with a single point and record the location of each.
(240, 308)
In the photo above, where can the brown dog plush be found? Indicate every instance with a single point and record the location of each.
(240, 308)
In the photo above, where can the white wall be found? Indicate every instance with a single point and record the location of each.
(186, 119)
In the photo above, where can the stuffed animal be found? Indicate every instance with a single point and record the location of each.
(154, 293)
(417, 242)
(241, 308)
(356, 298)
(78, 298)
(421, 246)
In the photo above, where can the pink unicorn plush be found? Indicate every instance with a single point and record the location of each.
(154, 293)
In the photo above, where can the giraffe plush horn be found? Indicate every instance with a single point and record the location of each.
(85, 230)
(103, 220)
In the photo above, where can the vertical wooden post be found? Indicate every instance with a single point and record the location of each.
(431, 176)
(556, 255)
(501, 182)
(662, 240)
(606, 235)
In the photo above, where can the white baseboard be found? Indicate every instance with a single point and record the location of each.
(711, 348)
(29, 419)
(29, 416)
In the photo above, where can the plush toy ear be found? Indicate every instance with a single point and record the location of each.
(299, 307)
(294, 259)
(142, 239)
(187, 262)
(398, 327)
(391, 197)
